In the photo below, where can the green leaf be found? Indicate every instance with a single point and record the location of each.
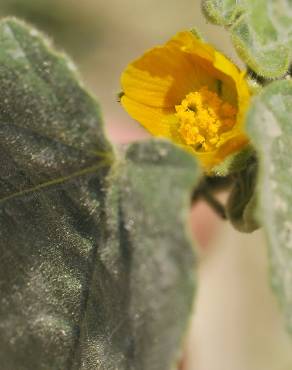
(269, 126)
(241, 205)
(52, 163)
(96, 270)
(261, 31)
(148, 260)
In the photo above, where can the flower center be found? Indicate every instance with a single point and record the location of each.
(203, 117)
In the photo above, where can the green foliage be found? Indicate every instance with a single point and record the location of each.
(241, 205)
(269, 126)
(262, 34)
(159, 268)
(261, 31)
(96, 269)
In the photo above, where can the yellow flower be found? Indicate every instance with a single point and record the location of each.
(190, 93)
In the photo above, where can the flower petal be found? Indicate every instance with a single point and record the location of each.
(215, 63)
(159, 122)
(164, 75)
(186, 41)
(158, 81)
(233, 145)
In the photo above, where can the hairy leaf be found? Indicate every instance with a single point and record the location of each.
(261, 31)
(96, 270)
(53, 159)
(147, 261)
(269, 126)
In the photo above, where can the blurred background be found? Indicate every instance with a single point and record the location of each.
(237, 324)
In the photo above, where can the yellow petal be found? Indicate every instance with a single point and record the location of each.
(214, 63)
(187, 42)
(211, 159)
(160, 80)
(165, 74)
(159, 122)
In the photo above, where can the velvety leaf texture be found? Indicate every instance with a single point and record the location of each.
(269, 125)
(147, 260)
(261, 31)
(96, 270)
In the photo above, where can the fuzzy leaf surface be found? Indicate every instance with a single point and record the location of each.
(269, 126)
(148, 261)
(95, 272)
(261, 31)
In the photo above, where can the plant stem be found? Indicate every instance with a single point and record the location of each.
(214, 204)
(206, 191)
